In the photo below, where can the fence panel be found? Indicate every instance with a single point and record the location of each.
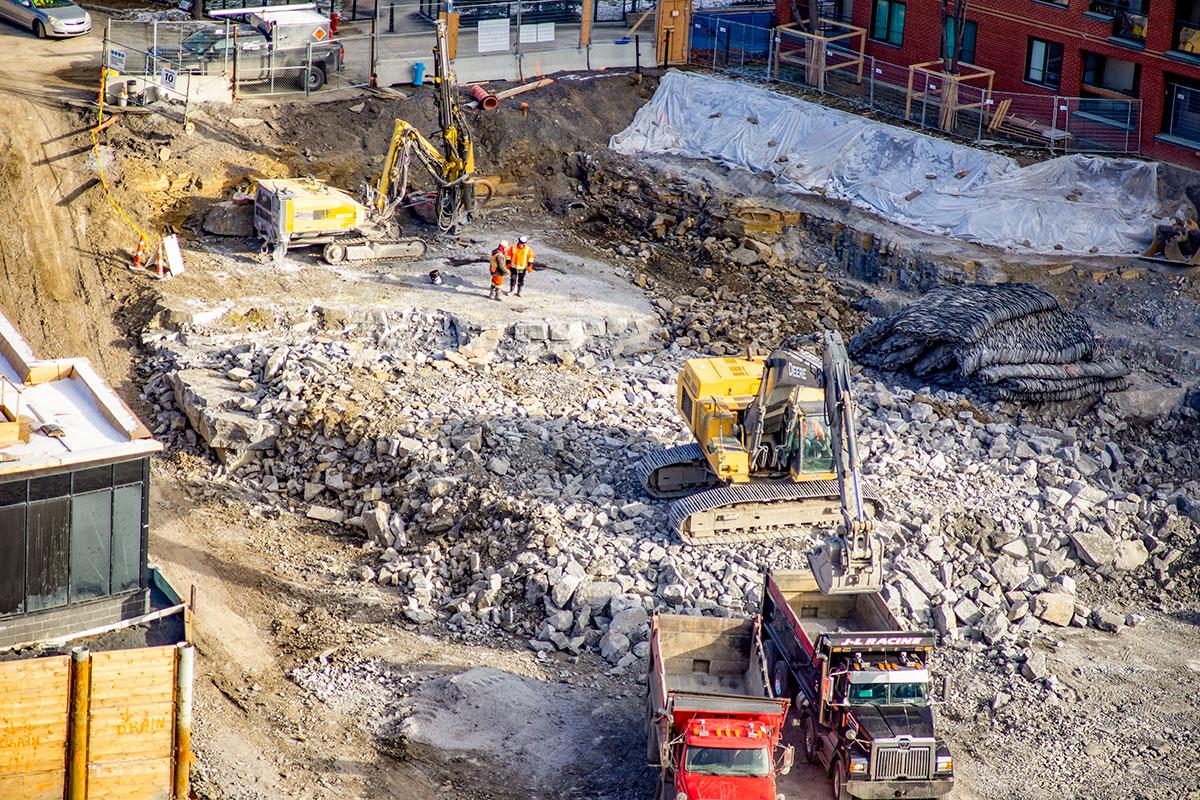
(1183, 113)
(960, 109)
(131, 724)
(34, 701)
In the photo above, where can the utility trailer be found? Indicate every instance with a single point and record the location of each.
(860, 685)
(713, 729)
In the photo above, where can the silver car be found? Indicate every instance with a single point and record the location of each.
(57, 18)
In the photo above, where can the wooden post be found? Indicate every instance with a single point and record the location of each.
(184, 667)
(189, 615)
(585, 23)
(81, 689)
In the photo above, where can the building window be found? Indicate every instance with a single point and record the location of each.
(888, 24)
(968, 40)
(71, 537)
(1043, 63)
(1187, 26)
(1104, 75)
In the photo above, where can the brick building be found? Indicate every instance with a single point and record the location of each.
(74, 498)
(1101, 49)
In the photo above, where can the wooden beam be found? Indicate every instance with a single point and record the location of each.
(81, 688)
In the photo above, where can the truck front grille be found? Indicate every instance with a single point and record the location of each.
(893, 763)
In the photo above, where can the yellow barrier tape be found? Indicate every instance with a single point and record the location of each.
(99, 161)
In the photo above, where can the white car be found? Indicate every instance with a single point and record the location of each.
(47, 18)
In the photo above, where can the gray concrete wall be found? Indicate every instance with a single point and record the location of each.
(66, 620)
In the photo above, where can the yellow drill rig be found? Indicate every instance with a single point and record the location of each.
(305, 211)
(775, 455)
(451, 166)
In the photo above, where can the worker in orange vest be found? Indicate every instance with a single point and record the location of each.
(520, 261)
(498, 266)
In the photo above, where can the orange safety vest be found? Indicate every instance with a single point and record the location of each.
(522, 256)
(499, 266)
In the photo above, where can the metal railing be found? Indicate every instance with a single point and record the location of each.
(1060, 124)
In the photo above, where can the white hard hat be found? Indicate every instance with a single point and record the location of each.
(504, 243)
(522, 239)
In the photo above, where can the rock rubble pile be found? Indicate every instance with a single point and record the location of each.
(490, 480)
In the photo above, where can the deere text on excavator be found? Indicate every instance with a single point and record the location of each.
(775, 455)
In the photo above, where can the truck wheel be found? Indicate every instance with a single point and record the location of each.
(838, 782)
(808, 740)
(315, 78)
(779, 678)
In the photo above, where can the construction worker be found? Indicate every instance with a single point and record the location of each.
(498, 266)
(520, 261)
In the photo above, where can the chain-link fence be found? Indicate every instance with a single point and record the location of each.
(958, 108)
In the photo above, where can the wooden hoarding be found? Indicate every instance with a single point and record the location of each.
(99, 726)
(34, 708)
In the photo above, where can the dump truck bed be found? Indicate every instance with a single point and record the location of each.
(705, 667)
(708, 655)
(815, 614)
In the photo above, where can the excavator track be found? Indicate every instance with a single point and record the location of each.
(707, 512)
(753, 512)
(674, 472)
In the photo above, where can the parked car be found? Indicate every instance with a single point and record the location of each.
(47, 18)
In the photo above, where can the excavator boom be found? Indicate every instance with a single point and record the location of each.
(851, 562)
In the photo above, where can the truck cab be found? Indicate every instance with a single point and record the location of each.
(861, 689)
(725, 759)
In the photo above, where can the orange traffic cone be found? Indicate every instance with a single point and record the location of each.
(160, 262)
(137, 254)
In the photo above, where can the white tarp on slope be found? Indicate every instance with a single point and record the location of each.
(806, 147)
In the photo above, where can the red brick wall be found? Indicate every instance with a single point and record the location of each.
(1003, 30)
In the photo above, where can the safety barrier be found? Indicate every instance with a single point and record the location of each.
(1060, 124)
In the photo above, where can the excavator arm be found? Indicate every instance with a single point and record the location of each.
(852, 561)
(451, 165)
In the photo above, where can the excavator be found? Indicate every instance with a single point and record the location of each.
(775, 455)
(305, 211)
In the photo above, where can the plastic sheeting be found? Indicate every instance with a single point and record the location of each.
(1082, 204)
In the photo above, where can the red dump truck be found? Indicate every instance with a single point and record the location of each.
(861, 689)
(713, 729)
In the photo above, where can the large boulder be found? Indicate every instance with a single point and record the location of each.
(230, 219)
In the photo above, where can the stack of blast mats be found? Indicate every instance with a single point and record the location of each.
(1009, 342)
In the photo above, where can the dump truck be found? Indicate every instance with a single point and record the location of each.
(860, 688)
(713, 729)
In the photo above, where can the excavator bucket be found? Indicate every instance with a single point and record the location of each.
(848, 566)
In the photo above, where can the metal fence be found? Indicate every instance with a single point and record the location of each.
(163, 64)
(1061, 124)
(1183, 114)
